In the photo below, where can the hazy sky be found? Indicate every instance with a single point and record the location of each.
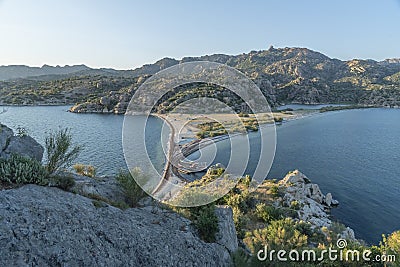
(128, 34)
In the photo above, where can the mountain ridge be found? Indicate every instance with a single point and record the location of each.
(284, 75)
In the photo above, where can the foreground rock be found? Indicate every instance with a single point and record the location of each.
(23, 145)
(48, 227)
(313, 205)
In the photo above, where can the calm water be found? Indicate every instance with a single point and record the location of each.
(353, 154)
(100, 134)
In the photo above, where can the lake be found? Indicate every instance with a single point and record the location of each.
(353, 154)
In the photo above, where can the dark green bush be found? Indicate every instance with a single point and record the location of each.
(64, 182)
(268, 213)
(132, 191)
(206, 221)
(22, 170)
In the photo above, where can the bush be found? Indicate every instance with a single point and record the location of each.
(295, 205)
(274, 191)
(64, 182)
(60, 151)
(85, 170)
(268, 213)
(22, 170)
(206, 221)
(280, 234)
(132, 191)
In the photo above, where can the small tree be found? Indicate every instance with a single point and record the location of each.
(60, 151)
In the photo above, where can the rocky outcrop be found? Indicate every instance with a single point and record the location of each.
(313, 205)
(106, 187)
(22, 145)
(45, 226)
(226, 235)
(114, 102)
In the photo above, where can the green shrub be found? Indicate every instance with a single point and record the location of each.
(60, 151)
(22, 170)
(280, 234)
(132, 191)
(274, 191)
(64, 182)
(295, 205)
(268, 213)
(206, 221)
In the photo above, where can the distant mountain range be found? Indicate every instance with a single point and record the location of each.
(284, 75)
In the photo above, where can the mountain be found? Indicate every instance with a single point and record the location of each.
(21, 71)
(284, 75)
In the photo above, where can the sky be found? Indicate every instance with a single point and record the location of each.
(127, 34)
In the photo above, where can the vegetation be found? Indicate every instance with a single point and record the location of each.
(62, 89)
(206, 221)
(22, 170)
(268, 213)
(85, 170)
(100, 201)
(63, 181)
(60, 151)
(129, 182)
(347, 107)
(21, 131)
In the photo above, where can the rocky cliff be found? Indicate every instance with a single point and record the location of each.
(45, 226)
(313, 206)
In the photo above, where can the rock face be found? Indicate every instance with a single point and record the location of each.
(227, 233)
(45, 226)
(106, 187)
(314, 206)
(22, 145)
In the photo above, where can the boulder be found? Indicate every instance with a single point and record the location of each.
(21, 145)
(44, 226)
(105, 101)
(5, 135)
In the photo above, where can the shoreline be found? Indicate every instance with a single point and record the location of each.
(195, 145)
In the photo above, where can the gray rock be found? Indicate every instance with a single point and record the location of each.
(226, 235)
(106, 187)
(21, 145)
(44, 226)
(105, 101)
(5, 135)
(314, 205)
(328, 199)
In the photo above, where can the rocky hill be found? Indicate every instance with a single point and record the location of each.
(285, 75)
(20, 71)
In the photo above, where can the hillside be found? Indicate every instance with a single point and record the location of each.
(285, 75)
(20, 71)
